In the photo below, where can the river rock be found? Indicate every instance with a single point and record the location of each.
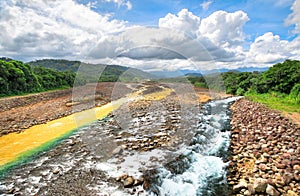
(270, 190)
(117, 150)
(291, 193)
(241, 185)
(128, 182)
(56, 170)
(260, 185)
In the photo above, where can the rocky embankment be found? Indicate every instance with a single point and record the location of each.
(265, 149)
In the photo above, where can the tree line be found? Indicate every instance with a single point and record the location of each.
(17, 78)
(281, 78)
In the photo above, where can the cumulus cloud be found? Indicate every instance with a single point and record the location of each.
(268, 48)
(184, 21)
(223, 28)
(53, 28)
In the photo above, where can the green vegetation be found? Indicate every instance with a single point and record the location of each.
(278, 87)
(277, 101)
(19, 78)
(94, 72)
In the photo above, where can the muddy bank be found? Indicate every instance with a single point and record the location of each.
(265, 149)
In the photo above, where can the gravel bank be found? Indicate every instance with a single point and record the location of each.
(265, 152)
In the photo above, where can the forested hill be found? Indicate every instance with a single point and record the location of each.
(281, 78)
(17, 77)
(94, 72)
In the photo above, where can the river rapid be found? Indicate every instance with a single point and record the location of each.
(91, 160)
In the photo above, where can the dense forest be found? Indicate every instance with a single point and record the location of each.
(94, 72)
(278, 87)
(282, 77)
(18, 78)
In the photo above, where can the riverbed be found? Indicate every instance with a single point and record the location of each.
(166, 146)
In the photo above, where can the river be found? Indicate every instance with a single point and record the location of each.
(88, 159)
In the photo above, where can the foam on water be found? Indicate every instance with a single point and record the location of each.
(206, 174)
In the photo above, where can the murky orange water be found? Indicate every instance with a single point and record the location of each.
(13, 145)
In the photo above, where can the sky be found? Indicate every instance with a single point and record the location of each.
(153, 35)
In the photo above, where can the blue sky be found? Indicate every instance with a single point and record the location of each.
(265, 15)
(153, 34)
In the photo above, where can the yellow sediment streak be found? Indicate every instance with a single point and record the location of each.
(14, 145)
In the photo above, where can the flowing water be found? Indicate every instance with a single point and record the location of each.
(201, 167)
(86, 159)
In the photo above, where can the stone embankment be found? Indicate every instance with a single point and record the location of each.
(265, 152)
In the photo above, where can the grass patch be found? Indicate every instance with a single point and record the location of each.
(276, 101)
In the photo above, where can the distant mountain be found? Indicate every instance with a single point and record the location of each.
(193, 75)
(241, 69)
(95, 72)
(6, 59)
(172, 74)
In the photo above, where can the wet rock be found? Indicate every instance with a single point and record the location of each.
(56, 170)
(128, 182)
(237, 188)
(122, 177)
(117, 150)
(138, 182)
(146, 185)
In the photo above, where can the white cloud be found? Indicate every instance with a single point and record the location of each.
(66, 29)
(53, 28)
(294, 17)
(224, 29)
(184, 21)
(121, 3)
(205, 5)
(268, 48)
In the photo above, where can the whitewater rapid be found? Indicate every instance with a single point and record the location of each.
(202, 165)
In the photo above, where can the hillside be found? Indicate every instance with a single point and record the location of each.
(17, 77)
(94, 72)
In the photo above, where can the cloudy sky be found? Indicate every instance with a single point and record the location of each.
(153, 35)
